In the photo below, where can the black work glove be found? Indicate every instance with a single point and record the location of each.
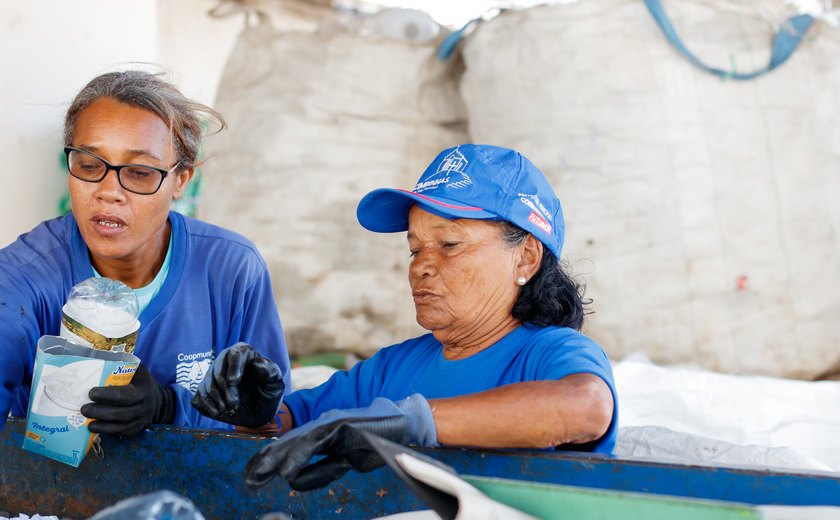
(243, 388)
(127, 410)
(338, 435)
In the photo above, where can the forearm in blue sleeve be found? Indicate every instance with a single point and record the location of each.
(344, 389)
(19, 335)
(261, 328)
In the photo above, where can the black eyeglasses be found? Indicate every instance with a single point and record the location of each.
(136, 178)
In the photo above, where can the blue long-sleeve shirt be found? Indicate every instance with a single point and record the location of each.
(217, 292)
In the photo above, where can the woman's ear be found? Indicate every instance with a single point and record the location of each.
(530, 257)
(182, 179)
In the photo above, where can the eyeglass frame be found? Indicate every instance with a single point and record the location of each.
(117, 168)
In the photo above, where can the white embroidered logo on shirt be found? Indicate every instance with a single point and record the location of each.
(190, 370)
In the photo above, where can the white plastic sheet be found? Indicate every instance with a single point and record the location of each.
(692, 415)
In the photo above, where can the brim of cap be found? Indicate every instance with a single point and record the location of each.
(386, 210)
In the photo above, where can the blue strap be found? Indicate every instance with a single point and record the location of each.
(447, 46)
(785, 42)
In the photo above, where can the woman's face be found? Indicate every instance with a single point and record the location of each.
(462, 275)
(118, 225)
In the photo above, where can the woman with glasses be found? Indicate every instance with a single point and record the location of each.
(131, 142)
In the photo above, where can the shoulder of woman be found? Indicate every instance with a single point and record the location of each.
(566, 336)
(204, 233)
(47, 241)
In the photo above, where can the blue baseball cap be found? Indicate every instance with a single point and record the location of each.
(475, 181)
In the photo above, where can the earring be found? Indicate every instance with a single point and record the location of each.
(521, 281)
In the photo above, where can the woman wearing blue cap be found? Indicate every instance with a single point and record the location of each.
(504, 364)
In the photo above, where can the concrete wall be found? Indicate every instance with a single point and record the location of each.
(50, 48)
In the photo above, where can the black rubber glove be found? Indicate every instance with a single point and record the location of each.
(337, 434)
(342, 443)
(127, 410)
(243, 388)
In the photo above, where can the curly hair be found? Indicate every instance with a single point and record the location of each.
(551, 297)
(147, 90)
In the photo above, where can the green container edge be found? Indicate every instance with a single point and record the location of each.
(549, 501)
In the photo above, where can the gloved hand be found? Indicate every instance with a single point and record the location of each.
(127, 410)
(336, 434)
(244, 388)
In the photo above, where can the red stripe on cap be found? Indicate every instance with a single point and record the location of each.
(467, 208)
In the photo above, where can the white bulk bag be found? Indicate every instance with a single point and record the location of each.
(702, 212)
(316, 121)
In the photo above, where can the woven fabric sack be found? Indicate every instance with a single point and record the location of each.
(701, 211)
(316, 120)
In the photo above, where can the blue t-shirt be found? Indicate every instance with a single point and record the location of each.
(528, 353)
(217, 292)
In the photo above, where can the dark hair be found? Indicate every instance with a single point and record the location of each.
(147, 90)
(551, 297)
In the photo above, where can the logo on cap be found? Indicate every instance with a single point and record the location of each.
(540, 223)
(533, 202)
(454, 163)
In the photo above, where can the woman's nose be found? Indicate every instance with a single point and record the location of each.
(109, 188)
(423, 264)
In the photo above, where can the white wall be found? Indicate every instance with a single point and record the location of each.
(194, 46)
(50, 48)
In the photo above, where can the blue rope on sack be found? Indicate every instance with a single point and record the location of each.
(784, 44)
(447, 46)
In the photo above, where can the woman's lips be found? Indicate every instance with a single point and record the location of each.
(423, 296)
(108, 225)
